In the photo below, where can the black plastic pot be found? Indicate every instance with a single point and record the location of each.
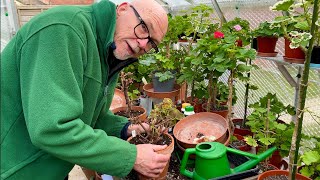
(165, 86)
(315, 56)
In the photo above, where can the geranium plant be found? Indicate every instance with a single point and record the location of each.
(264, 123)
(164, 116)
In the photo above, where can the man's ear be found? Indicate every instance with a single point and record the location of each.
(123, 7)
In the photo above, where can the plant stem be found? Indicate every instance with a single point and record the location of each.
(296, 137)
(230, 84)
(267, 128)
(246, 96)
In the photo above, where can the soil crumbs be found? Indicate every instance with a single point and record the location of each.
(278, 177)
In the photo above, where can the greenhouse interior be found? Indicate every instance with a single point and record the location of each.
(232, 89)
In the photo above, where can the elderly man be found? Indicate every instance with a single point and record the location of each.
(58, 77)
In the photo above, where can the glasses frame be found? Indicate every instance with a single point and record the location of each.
(153, 44)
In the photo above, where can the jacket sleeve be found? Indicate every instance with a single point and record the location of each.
(51, 73)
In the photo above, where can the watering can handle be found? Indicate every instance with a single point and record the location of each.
(186, 155)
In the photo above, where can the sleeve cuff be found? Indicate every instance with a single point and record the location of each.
(124, 130)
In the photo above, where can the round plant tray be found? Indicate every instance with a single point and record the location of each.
(293, 60)
(118, 100)
(206, 123)
(273, 54)
(148, 88)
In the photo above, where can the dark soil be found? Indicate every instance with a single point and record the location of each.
(220, 108)
(132, 112)
(140, 139)
(238, 143)
(278, 177)
(263, 167)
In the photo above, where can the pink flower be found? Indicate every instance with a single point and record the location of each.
(218, 34)
(237, 27)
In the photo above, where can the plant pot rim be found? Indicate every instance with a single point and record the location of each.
(148, 88)
(118, 99)
(142, 116)
(207, 123)
(280, 172)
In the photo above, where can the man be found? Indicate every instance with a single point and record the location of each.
(57, 82)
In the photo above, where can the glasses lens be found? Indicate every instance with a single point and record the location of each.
(141, 31)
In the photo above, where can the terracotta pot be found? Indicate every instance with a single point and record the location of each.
(168, 150)
(293, 55)
(245, 147)
(88, 172)
(278, 173)
(196, 103)
(223, 113)
(148, 88)
(239, 130)
(206, 123)
(226, 142)
(118, 99)
(239, 43)
(267, 44)
(97, 176)
(142, 116)
(275, 159)
(60, 2)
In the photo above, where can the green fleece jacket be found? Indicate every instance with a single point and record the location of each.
(56, 94)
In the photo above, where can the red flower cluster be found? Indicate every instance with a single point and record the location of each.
(218, 34)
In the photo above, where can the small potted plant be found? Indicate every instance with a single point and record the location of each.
(267, 37)
(161, 118)
(129, 110)
(296, 24)
(266, 128)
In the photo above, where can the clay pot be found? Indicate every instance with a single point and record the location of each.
(148, 88)
(239, 43)
(206, 123)
(88, 172)
(118, 99)
(275, 159)
(142, 116)
(245, 147)
(226, 142)
(278, 173)
(267, 46)
(168, 150)
(223, 113)
(239, 130)
(293, 55)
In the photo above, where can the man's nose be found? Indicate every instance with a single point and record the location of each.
(143, 43)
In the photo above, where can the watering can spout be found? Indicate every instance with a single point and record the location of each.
(255, 159)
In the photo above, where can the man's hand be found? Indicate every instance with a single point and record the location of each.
(148, 162)
(137, 128)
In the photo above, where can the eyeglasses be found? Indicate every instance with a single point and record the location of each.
(142, 32)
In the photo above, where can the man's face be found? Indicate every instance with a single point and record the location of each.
(137, 31)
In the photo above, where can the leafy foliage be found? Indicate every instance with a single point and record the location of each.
(278, 133)
(265, 29)
(311, 160)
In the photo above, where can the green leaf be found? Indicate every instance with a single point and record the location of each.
(306, 171)
(281, 126)
(283, 5)
(303, 25)
(250, 141)
(267, 141)
(243, 68)
(310, 157)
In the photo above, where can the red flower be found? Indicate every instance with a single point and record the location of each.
(218, 34)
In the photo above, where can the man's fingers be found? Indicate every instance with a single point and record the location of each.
(158, 147)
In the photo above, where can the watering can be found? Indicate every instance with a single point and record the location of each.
(212, 162)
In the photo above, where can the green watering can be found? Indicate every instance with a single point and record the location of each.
(211, 161)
